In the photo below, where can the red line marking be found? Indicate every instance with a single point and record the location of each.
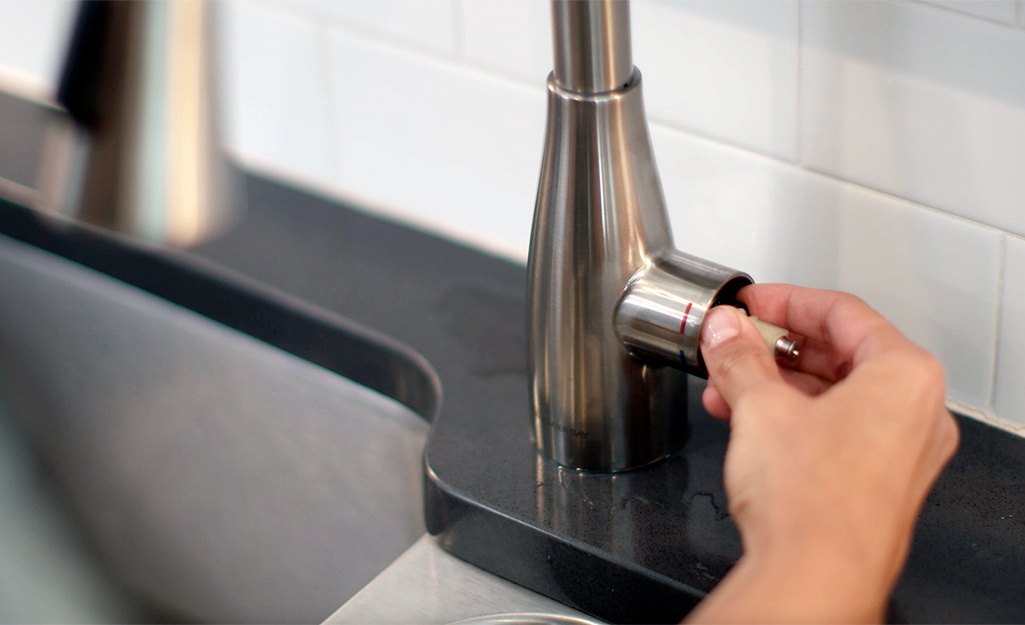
(686, 313)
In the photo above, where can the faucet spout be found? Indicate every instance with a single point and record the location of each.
(137, 147)
(592, 45)
(614, 311)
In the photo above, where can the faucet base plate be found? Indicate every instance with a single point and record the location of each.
(639, 546)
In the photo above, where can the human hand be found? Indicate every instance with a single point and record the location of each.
(829, 462)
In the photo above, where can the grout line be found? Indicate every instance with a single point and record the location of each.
(819, 174)
(998, 315)
(929, 209)
(396, 45)
(339, 24)
(970, 16)
(507, 75)
(986, 416)
(331, 95)
(459, 30)
(267, 168)
(800, 79)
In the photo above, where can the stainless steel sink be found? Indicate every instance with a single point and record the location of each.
(428, 586)
(222, 478)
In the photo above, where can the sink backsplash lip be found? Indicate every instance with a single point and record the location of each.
(319, 336)
(985, 416)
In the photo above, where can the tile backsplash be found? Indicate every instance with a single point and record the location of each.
(876, 147)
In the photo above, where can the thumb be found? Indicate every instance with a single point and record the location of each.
(735, 354)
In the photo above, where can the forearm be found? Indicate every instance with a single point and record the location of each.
(813, 589)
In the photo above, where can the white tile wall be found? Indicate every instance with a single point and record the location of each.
(509, 36)
(447, 147)
(1009, 391)
(919, 102)
(31, 35)
(784, 224)
(423, 23)
(875, 147)
(726, 70)
(278, 90)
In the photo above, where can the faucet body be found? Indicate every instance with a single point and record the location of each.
(614, 311)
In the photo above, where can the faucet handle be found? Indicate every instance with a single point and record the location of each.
(664, 305)
(663, 308)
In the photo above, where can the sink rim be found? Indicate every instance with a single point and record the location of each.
(266, 313)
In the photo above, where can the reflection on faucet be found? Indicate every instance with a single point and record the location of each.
(136, 149)
(614, 513)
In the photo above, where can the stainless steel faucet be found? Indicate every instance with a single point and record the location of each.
(614, 310)
(136, 148)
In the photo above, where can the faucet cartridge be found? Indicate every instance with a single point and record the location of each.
(776, 338)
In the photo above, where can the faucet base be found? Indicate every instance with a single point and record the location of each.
(600, 219)
(655, 413)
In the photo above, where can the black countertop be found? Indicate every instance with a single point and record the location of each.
(641, 546)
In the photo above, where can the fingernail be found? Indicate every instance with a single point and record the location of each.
(720, 324)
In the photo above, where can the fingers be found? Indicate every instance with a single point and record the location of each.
(713, 402)
(806, 383)
(735, 355)
(948, 438)
(820, 360)
(839, 320)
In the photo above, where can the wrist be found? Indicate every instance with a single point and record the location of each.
(798, 582)
(818, 578)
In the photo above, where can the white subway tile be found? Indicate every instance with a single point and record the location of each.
(748, 212)
(920, 103)
(726, 70)
(276, 91)
(32, 46)
(425, 23)
(780, 223)
(913, 265)
(1009, 390)
(1003, 11)
(510, 36)
(446, 147)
